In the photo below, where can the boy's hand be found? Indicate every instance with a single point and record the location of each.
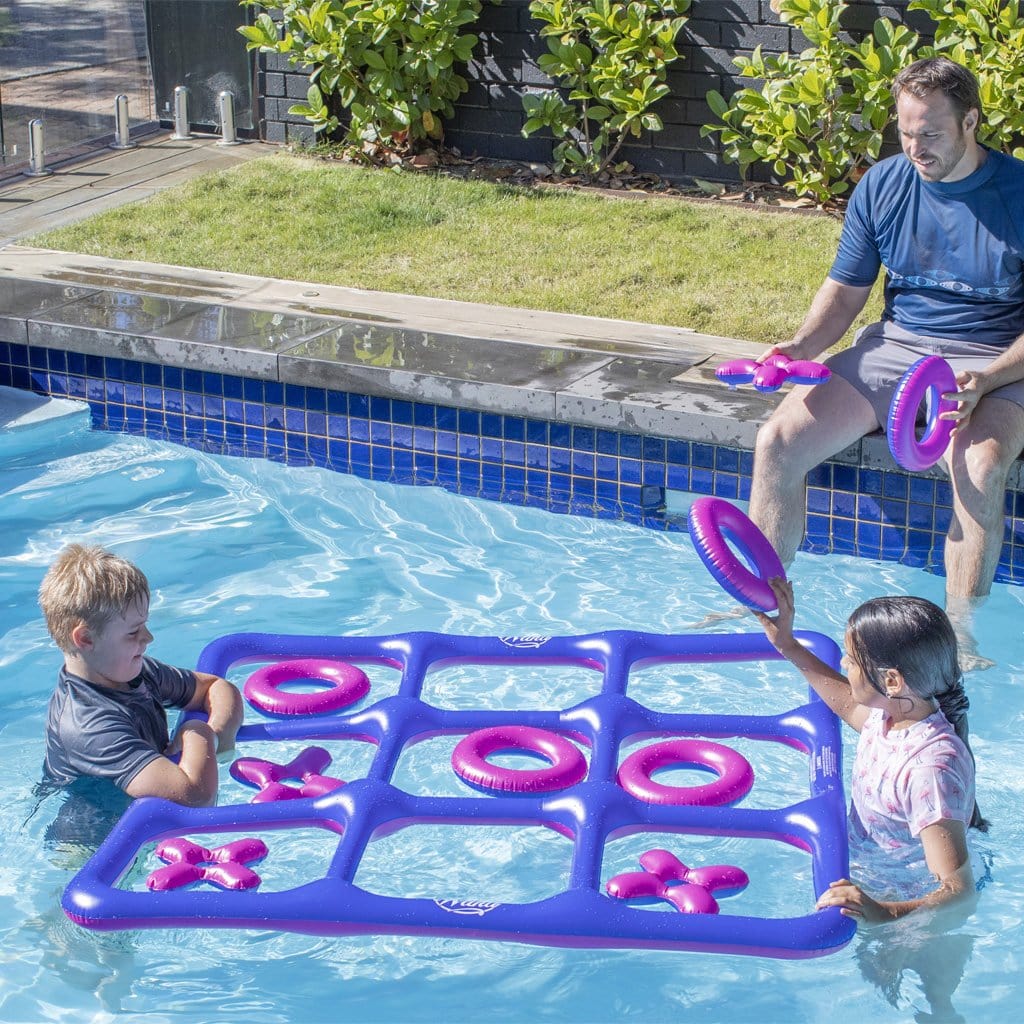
(192, 725)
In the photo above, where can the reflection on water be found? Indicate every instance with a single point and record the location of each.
(895, 957)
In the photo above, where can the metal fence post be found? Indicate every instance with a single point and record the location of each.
(181, 113)
(228, 134)
(37, 149)
(122, 139)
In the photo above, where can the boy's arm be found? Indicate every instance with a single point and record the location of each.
(223, 706)
(193, 780)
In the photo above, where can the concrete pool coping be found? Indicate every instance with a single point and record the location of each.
(584, 371)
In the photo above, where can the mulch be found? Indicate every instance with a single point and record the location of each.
(625, 183)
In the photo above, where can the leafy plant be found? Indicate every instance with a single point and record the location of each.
(612, 58)
(389, 63)
(986, 36)
(818, 118)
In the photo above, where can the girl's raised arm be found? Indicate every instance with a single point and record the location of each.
(831, 686)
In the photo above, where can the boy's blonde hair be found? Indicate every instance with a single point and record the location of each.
(90, 585)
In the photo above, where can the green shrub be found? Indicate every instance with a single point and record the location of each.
(986, 36)
(389, 63)
(612, 58)
(818, 118)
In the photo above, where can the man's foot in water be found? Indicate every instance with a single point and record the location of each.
(961, 614)
(713, 618)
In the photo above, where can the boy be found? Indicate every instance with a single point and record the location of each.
(106, 718)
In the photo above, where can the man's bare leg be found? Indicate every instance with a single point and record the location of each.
(809, 426)
(979, 461)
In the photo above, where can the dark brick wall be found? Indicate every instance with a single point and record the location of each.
(489, 117)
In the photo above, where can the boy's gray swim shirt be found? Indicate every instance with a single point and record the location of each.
(113, 734)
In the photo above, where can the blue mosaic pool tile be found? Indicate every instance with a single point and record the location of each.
(583, 462)
(588, 471)
(727, 485)
(606, 467)
(447, 443)
(359, 456)
(469, 446)
(630, 446)
(869, 481)
(654, 473)
(514, 481)
(630, 471)
(401, 412)
(490, 425)
(727, 460)
(490, 475)
(655, 449)
(514, 429)
(583, 439)
(702, 455)
(677, 478)
(868, 508)
(702, 480)
(424, 465)
(536, 432)
(337, 401)
(316, 399)
(869, 539)
(920, 517)
(490, 450)
(469, 422)
(844, 477)
(844, 503)
(448, 471)
(514, 454)
(922, 489)
(447, 418)
(895, 485)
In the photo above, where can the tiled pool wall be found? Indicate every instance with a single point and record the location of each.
(853, 510)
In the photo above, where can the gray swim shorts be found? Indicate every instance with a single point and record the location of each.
(882, 352)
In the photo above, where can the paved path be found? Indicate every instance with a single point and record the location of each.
(111, 178)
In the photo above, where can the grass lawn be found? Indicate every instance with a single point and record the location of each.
(738, 273)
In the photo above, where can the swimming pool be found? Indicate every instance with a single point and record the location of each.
(235, 544)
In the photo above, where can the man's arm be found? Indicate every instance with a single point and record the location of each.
(222, 703)
(834, 308)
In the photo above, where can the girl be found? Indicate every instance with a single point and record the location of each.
(913, 773)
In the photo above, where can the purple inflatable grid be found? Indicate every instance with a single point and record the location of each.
(590, 813)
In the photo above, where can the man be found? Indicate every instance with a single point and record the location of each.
(946, 221)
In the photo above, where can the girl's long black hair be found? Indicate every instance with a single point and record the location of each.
(914, 636)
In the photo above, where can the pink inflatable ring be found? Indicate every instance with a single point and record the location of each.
(711, 521)
(567, 765)
(773, 372)
(928, 379)
(735, 776)
(345, 685)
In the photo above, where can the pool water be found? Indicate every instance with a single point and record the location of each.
(233, 545)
